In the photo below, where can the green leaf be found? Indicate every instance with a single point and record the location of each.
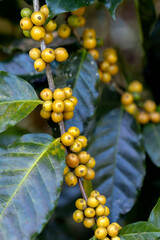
(61, 6)
(17, 100)
(147, 16)
(116, 147)
(93, 238)
(111, 5)
(81, 73)
(87, 187)
(151, 134)
(11, 135)
(30, 178)
(154, 217)
(20, 64)
(140, 231)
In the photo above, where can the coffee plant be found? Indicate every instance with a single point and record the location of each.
(79, 122)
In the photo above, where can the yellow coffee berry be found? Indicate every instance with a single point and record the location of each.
(44, 9)
(92, 202)
(89, 43)
(112, 58)
(127, 98)
(82, 21)
(101, 233)
(104, 66)
(66, 170)
(72, 160)
(155, 117)
(74, 131)
(68, 115)
(91, 163)
(83, 140)
(149, 106)
(103, 222)
(109, 51)
(135, 86)
(26, 23)
(48, 55)
(48, 38)
(106, 238)
(100, 210)
(113, 69)
(89, 32)
(47, 106)
(58, 106)
(44, 114)
(67, 139)
(112, 230)
(88, 222)
(131, 108)
(59, 94)
(68, 105)
(79, 12)
(143, 118)
(37, 33)
(90, 174)
(74, 100)
(94, 193)
(57, 117)
(76, 146)
(46, 94)
(81, 204)
(80, 171)
(39, 65)
(68, 92)
(89, 212)
(94, 53)
(84, 157)
(71, 179)
(61, 54)
(38, 18)
(78, 216)
(64, 31)
(116, 238)
(50, 26)
(106, 77)
(107, 211)
(117, 225)
(100, 74)
(101, 199)
(35, 53)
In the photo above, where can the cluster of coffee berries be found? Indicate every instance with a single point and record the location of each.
(61, 108)
(46, 56)
(108, 67)
(32, 25)
(146, 111)
(73, 140)
(79, 166)
(94, 211)
(76, 18)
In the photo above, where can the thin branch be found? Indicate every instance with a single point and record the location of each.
(84, 195)
(52, 87)
(118, 89)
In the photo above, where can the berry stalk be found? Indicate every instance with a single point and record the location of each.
(52, 87)
(43, 46)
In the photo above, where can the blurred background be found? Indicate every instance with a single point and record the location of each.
(125, 35)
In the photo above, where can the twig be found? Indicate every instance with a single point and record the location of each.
(118, 89)
(52, 87)
(84, 195)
